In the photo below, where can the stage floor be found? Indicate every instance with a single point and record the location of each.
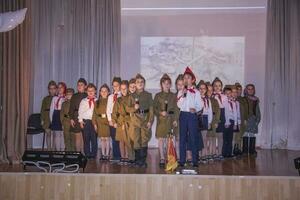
(267, 163)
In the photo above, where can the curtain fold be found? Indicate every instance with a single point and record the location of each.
(282, 97)
(16, 71)
(73, 39)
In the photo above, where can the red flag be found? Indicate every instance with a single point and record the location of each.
(172, 158)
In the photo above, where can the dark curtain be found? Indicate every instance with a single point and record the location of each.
(15, 62)
(282, 97)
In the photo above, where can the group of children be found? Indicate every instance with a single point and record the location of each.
(208, 121)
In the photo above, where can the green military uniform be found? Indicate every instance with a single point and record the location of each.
(123, 120)
(244, 115)
(45, 109)
(65, 121)
(120, 117)
(139, 132)
(216, 117)
(165, 124)
(73, 111)
(100, 118)
(254, 115)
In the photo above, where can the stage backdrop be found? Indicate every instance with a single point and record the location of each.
(211, 37)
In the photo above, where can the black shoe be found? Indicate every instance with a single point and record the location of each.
(195, 165)
(162, 163)
(181, 164)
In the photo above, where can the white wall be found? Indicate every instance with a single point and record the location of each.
(249, 23)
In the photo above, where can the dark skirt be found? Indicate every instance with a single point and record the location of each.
(203, 122)
(56, 123)
(221, 125)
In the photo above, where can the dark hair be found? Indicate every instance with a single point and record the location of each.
(132, 81)
(82, 80)
(217, 80)
(227, 88)
(64, 86)
(51, 83)
(116, 79)
(179, 78)
(139, 76)
(70, 90)
(124, 82)
(102, 86)
(91, 85)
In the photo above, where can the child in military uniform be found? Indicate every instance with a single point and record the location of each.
(253, 120)
(131, 86)
(101, 123)
(243, 115)
(166, 111)
(65, 120)
(45, 109)
(73, 113)
(55, 109)
(211, 134)
(140, 107)
(112, 99)
(85, 115)
(189, 104)
(121, 119)
(237, 137)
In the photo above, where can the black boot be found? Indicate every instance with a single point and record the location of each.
(143, 155)
(235, 150)
(137, 157)
(252, 146)
(245, 145)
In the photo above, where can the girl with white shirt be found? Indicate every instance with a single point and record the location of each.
(207, 116)
(54, 114)
(223, 104)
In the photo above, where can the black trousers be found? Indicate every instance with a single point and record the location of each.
(227, 140)
(89, 139)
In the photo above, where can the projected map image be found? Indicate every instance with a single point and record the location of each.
(207, 56)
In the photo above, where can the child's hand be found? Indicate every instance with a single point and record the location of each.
(209, 126)
(149, 125)
(216, 125)
(95, 127)
(192, 110)
(72, 123)
(82, 125)
(111, 123)
(174, 124)
(115, 125)
(163, 113)
(136, 106)
(123, 127)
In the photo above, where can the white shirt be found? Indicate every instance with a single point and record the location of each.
(192, 100)
(86, 109)
(56, 103)
(230, 112)
(237, 105)
(110, 104)
(207, 108)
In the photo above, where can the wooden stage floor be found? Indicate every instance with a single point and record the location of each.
(267, 163)
(270, 175)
